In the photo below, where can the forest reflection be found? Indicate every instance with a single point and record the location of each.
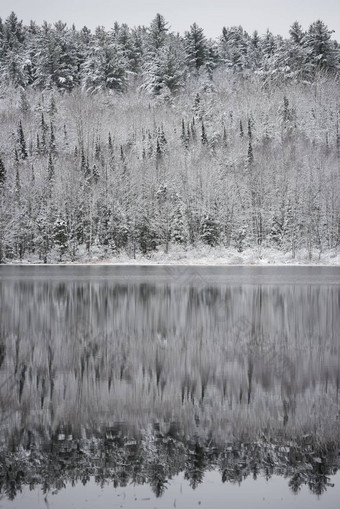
(206, 375)
(120, 455)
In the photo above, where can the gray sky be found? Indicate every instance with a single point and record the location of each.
(211, 15)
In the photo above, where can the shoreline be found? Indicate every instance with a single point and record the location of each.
(200, 256)
(160, 264)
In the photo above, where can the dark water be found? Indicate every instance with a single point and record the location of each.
(169, 386)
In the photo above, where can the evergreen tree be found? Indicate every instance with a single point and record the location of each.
(157, 34)
(17, 186)
(24, 104)
(296, 33)
(240, 236)
(163, 73)
(234, 47)
(22, 142)
(13, 33)
(2, 173)
(105, 68)
(136, 57)
(110, 144)
(52, 138)
(184, 135)
(241, 129)
(323, 54)
(268, 45)
(44, 129)
(178, 228)
(147, 236)
(250, 135)
(50, 170)
(210, 230)
(250, 155)
(204, 138)
(60, 236)
(196, 47)
(52, 107)
(58, 61)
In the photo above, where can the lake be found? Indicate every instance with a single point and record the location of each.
(169, 386)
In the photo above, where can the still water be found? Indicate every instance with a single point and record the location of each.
(169, 386)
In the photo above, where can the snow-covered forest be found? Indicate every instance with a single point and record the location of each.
(137, 139)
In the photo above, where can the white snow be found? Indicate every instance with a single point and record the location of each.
(199, 255)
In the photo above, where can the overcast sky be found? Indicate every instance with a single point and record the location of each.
(212, 15)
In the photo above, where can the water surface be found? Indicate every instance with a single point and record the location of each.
(137, 376)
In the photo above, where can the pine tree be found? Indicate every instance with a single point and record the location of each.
(322, 50)
(240, 237)
(250, 155)
(249, 129)
(32, 175)
(184, 135)
(110, 144)
(147, 236)
(204, 138)
(17, 186)
(122, 155)
(52, 106)
(22, 142)
(44, 129)
(158, 150)
(163, 72)
(177, 227)
(83, 163)
(276, 230)
(286, 112)
(241, 129)
(2, 173)
(105, 67)
(212, 60)
(210, 230)
(24, 104)
(59, 59)
(60, 236)
(38, 148)
(157, 34)
(196, 47)
(162, 139)
(52, 138)
(95, 173)
(296, 33)
(14, 34)
(50, 170)
(225, 138)
(192, 129)
(97, 150)
(234, 48)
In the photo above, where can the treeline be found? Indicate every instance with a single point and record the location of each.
(154, 57)
(225, 154)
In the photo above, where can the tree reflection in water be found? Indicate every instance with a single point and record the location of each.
(121, 455)
(240, 378)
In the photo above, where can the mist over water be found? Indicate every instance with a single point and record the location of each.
(116, 358)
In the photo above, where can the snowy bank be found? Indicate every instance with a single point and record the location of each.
(199, 255)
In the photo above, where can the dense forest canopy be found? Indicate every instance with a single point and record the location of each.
(137, 139)
(154, 57)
